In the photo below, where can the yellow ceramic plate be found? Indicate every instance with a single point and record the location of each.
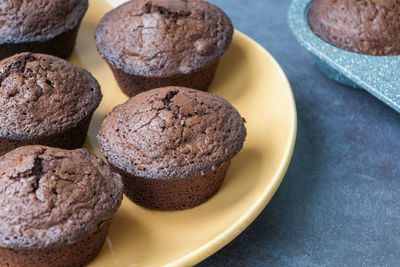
(254, 83)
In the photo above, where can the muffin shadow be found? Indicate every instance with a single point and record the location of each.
(83, 54)
(91, 142)
(124, 228)
(230, 73)
(248, 160)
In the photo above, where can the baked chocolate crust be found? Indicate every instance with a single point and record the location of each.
(173, 193)
(171, 132)
(51, 197)
(61, 46)
(77, 253)
(366, 27)
(45, 98)
(132, 85)
(26, 21)
(160, 38)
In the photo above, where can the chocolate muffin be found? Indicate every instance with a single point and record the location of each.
(45, 100)
(55, 206)
(40, 26)
(172, 146)
(155, 43)
(367, 27)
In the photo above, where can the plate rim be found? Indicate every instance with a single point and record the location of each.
(247, 218)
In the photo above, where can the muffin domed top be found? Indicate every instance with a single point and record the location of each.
(163, 37)
(43, 95)
(51, 196)
(171, 132)
(38, 20)
(365, 27)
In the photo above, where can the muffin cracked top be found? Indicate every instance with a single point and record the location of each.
(172, 132)
(43, 95)
(163, 37)
(38, 20)
(51, 196)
